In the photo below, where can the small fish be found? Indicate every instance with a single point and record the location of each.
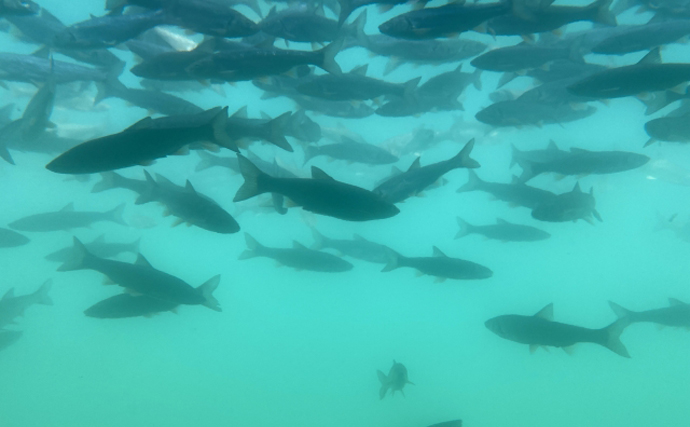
(677, 314)
(439, 265)
(358, 247)
(515, 193)
(67, 219)
(396, 380)
(12, 306)
(570, 206)
(503, 231)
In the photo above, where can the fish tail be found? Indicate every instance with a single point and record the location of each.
(220, 132)
(253, 246)
(356, 29)
(276, 131)
(465, 228)
(108, 88)
(107, 182)
(462, 159)
(134, 246)
(528, 170)
(384, 384)
(279, 203)
(477, 78)
(622, 312)
(515, 155)
(148, 195)
(393, 261)
(345, 11)
(80, 257)
(207, 289)
(473, 183)
(115, 215)
(319, 239)
(612, 335)
(5, 154)
(409, 88)
(310, 151)
(253, 178)
(603, 13)
(328, 54)
(41, 294)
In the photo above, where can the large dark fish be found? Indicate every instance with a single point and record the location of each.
(98, 247)
(648, 75)
(541, 331)
(12, 306)
(523, 56)
(320, 194)
(503, 231)
(549, 154)
(144, 142)
(677, 314)
(515, 193)
(358, 247)
(11, 239)
(569, 206)
(143, 279)
(417, 178)
(396, 380)
(355, 86)
(67, 219)
(440, 266)
(299, 257)
(126, 305)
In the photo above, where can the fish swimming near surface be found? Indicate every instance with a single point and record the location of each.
(540, 330)
(396, 380)
(677, 314)
(12, 306)
(67, 219)
(439, 265)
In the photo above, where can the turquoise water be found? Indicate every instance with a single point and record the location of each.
(298, 348)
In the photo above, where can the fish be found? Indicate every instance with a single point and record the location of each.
(503, 231)
(144, 142)
(12, 239)
(67, 219)
(241, 128)
(644, 37)
(516, 193)
(302, 24)
(34, 69)
(358, 247)
(210, 17)
(417, 178)
(320, 194)
(126, 305)
(676, 315)
(98, 247)
(570, 206)
(521, 113)
(298, 257)
(540, 330)
(12, 306)
(439, 265)
(142, 278)
(549, 154)
(7, 338)
(351, 151)
(152, 101)
(584, 162)
(17, 7)
(208, 160)
(670, 128)
(524, 56)
(396, 380)
(648, 75)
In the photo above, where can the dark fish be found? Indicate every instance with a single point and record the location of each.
(556, 94)
(143, 279)
(568, 207)
(541, 331)
(584, 162)
(503, 231)
(170, 65)
(320, 194)
(7, 338)
(551, 18)
(144, 142)
(107, 31)
(126, 305)
(111, 180)
(241, 128)
(524, 56)
(301, 24)
(443, 21)
(670, 128)
(439, 265)
(12, 306)
(33, 69)
(396, 380)
(349, 6)
(36, 117)
(67, 219)
(520, 113)
(98, 247)
(299, 257)
(648, 75)
(417, 178)
(152, 101)
(210, 17)
(351, 151)
(549, 154)
(677, 314)
(644, 37)
(557, 70)
(515, 193)
(358, 247)
(11, 239)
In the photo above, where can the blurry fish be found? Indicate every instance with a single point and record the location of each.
(126, 305)
(351, 151)
(7, 338)
(241, 128)
(569, 206)
(521, 113)
(98, 247)
(677, 314)
(644, 37)
(515, 193)
(665, 170)
(67, 219)
(541, 331)
(151, 100)
(503, 231)
(524, 56)
(549, 154)
(143, 279)
(454, 423)
(11, 239)
(358, 247)
(12, 306)
(396, 380)
(33, 69)
(208, 160)
(670, 129)
(299, 257)
(439, 265)
(210, 17)
(302, 24)
(17, 7)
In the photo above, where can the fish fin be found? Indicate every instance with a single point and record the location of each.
(393, 261)
(298, 245)
(438, 253)
(207, 289)
(439, 279)
(220, 132)
(596, 215)
(80, 256)
(472, 184)
(620, 311)
(107, 182)
(613, 334)
(142, 261)
(675, 302)
(653, 57)
(252, 246)
(5, 154)
(252, 180)
(8, 295)
(533, 348)
(383, 379)
(115, 215)
(69, 207)
(462, 159)
(604, 15)
(276, 131)
(319, 239)
(546, 313)
(464, 228)
(328, 54)
(317, 173)
(41, 294)
(569, 350)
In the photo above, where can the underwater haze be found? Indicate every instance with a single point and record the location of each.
(291, 346)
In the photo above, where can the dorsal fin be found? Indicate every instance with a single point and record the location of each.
(361, 70)
(577, 189)
(546, 313)
(358, 237)
(439, 253)
(141, 124)
(416, 164)
(142, 261)
(501, 221)
(69, 207)
(265, 116)
(674, 302)
(552, 146)
(149, 178)
(576, 150)
(515, 180)
(163, 180)
(653, 57)
(298, 245)
(189, 187)
(9, 294)
(317, 173)
(240, 114)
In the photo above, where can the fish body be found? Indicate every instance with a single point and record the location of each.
(521, 113)
(12, 306)
(516, 193)
(67, 219)
(440, 266)
(670, 128)
(18, 8)
(354, 86)
(98, 247)
(503, 231)
(644, 37)
(523, 56)
(150, 100)
(396, 380)
(677, 314)
(570, 206)
(126, 305)
(352, 151)
(210, 17)
(32, 69)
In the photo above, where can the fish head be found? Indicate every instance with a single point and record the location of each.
(498, 326)
(400, 25)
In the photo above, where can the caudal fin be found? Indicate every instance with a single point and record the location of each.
(613, 337)
(41, 295)
(253, 246)
(79, 258)
(115, 215)
(384, 384)
(207, 290)
(603, 13)
(393, 261)
(473, 183)
(622, 312)
(276, 131)
(107, 182)
(462, 159)
(465, 228)
(220, 132)
(252, 180)
(319, 239)
(328, 54)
